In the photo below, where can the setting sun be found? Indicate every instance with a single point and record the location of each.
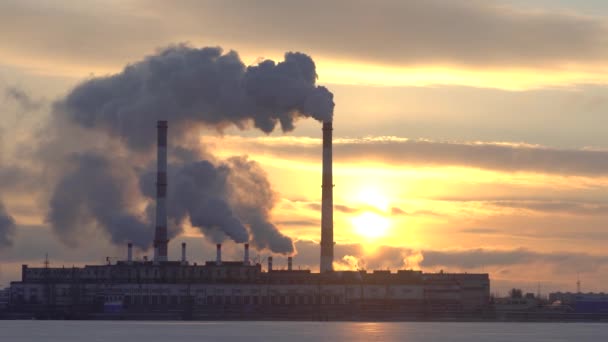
(371, 225)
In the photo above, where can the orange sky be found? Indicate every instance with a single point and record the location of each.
(512, 125)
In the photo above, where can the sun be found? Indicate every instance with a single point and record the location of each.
(371, 225)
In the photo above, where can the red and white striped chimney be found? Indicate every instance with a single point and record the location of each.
(327, 219)
(289, 263)
(160, 235)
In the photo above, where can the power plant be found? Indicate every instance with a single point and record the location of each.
(164, 289)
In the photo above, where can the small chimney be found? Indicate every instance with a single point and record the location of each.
(289, 263)
(269, 263)
(155, 260)
(246, 256)
(218, 257)
(183, 253)
(129, 253)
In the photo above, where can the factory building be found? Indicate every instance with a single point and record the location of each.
(141, 285)
(217, 289)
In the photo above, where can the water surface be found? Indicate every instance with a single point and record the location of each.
(150, 331)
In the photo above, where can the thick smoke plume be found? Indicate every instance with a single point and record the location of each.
(200, 86)
(7, 228)
(190, 88)
(97, 190)
(231, 200)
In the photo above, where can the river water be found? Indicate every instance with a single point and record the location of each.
(151, 331)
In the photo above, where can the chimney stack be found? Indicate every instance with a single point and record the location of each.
(218, 256)
(269, 263)
(289, 263)
(129, 253)
(160, 235)
(327, 220)
(155, 260)
(183, 253)
(246, 256)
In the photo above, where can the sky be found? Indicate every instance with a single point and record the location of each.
(469, 136)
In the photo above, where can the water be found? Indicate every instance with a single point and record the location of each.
(93, 331)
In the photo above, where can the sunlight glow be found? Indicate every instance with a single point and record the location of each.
(373, 197)
(371, 225)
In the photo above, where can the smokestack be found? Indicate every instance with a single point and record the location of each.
(129, 253)
(160, 236)
(218, 256)
(289, 263)
(327, 219)
(246, 256)
(155, 261)
(269, 263)
(183, 253)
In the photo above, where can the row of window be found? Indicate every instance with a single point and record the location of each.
(235, 300)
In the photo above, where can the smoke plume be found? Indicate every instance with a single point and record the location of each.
(191, 89)
(99, 191)
(190, 86)
(7, 228)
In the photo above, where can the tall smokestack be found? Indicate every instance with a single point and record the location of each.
(327, 215)
(289, 263)
(160, 236)
(246, 255)
(218, 254)
(183, 253)
(269, 263)
(129, 253)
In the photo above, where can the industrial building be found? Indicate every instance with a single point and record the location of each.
(219, 289)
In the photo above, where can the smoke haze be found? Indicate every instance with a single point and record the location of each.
(7, 228)
(191, 89)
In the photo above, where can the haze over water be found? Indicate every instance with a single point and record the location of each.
(70, 331)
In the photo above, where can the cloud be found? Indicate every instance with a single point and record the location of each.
(504, 157)
(476, 33)
(479, 258)
(464, 32)
(480, 231)
(400, 212)
(555, 206)
(456, 260)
